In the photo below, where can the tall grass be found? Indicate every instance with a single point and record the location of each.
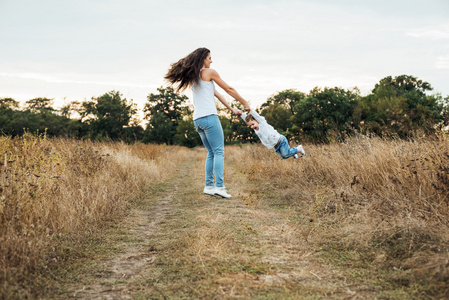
(387, 200)
(369, 203)
(57, 188)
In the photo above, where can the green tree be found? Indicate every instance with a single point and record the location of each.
(40, 104)
(400, 105)
(226, 125)
(325, 112)
(288, 98)
(444, 115)
(186, 134)
(168, 102)
(164, 109)
(279, 116)
(160, 130)
(8, 103)
(387, 115)
(40, 116)
(7, 115)
(405, 86)
(133, 133)
(108, 115)
(17, 122)
(69, 109)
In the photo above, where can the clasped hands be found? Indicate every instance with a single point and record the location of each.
(238, 112)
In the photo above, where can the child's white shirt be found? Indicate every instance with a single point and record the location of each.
(266, 133)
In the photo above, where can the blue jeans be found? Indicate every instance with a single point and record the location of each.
(211, 133)
(283, 149)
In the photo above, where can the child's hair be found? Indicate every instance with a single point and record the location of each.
(248, 118)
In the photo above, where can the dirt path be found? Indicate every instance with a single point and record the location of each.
(129, 266)
(181, 243)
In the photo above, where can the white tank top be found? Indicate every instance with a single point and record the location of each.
(203, 99)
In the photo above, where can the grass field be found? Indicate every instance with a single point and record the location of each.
(367, 218)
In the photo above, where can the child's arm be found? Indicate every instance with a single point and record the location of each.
(243, 116)
(258, 117)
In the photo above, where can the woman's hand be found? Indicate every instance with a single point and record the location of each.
(246, 107)
(237, 111)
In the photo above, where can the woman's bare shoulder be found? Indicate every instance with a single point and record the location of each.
(208, 73)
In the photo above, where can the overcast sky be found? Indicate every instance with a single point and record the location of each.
(76, 50)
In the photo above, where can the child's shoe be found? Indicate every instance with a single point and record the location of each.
(221, 191)
(295, 156)
(301, 150)
(210, 190)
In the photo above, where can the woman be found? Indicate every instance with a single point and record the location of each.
(194, 71)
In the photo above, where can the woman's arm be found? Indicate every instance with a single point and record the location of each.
(225, 103)
(211, 74)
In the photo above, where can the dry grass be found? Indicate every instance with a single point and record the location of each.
(54, 189)
(213, 248)
(366, 203)
(366, 219)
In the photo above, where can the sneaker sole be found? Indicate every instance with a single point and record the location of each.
(218, 195)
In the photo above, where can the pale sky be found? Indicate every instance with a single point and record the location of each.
(78, 49)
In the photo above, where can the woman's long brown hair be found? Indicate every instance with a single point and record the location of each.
(186, 71)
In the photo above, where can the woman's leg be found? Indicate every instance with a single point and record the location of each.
(215, 137)
(200, 125)
(211, 133)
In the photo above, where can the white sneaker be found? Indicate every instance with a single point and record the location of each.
(221, 191)
(301, 150)
(295, 156)
(210, 190)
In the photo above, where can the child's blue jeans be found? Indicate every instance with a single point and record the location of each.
(211, 133)
(283, 149)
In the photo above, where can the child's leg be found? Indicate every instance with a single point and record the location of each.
(284, 150)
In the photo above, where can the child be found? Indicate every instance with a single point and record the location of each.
(270, 137)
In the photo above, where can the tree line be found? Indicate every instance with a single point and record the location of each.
(397, 106)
